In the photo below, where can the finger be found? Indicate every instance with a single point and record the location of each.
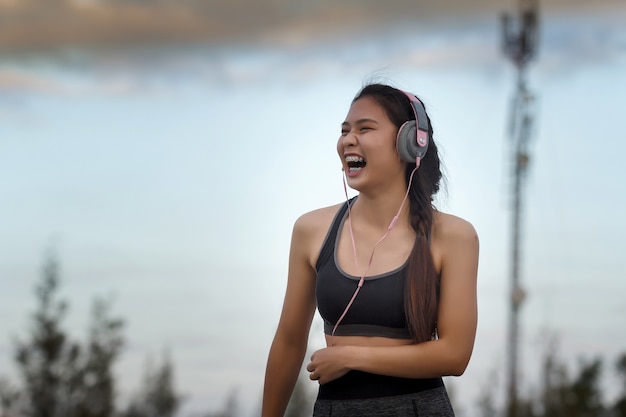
(313, 376)
(309, 367)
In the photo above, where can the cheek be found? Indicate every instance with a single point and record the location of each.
(340, 147)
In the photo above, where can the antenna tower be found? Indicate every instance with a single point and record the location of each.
(519, 45)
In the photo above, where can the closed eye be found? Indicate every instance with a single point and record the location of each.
(363, 125)
(344, 132)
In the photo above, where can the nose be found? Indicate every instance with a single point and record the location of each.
(349, 139)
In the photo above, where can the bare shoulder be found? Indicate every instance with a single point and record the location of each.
(319, 219)
(454, 241)
(310, 229)
(447, 227)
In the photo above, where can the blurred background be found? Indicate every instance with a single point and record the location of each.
(156, 153)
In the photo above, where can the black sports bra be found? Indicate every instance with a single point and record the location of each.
(378, 309)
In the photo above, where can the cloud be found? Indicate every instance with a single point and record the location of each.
(294, 52)
(25, 81)
(33, 25)
(568, 43)
(11, 81)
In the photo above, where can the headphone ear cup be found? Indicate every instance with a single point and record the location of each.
(406, 142)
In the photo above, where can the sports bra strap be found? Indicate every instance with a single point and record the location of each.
(327, 251)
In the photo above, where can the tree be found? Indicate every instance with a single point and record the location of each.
(158, 397)
(619, 408)
(583, 396)
(60, 377)
(95, 379)
(559, 394)
(47, 361)
(63, 378)
(9, 398)
(230, 408)
(555, 382)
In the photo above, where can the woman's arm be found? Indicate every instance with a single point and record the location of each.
(290, 342)
(457, 244)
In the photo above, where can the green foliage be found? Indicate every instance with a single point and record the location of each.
(63, 378)
(95, 381)
(583, 396)
(158, 397)
(619, 408)
(230, 408)
(560, 393)
(9, 398)
(51, 366)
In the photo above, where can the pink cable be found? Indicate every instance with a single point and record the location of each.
(356, 262)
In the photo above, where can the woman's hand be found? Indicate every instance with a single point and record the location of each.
(329, 364)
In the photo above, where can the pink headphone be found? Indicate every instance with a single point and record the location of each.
(412, 139)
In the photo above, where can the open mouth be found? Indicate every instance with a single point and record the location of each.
(355, 163)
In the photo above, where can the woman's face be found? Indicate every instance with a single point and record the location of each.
(367, 146)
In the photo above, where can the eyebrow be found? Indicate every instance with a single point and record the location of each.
(360, 121)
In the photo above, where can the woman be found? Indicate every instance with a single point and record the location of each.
(393, 278)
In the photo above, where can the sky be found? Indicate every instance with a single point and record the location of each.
(169, 176)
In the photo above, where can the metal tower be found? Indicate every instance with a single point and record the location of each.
(519, 45)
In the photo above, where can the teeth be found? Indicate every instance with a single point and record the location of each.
(353, 158)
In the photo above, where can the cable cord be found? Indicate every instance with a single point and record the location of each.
(369, 264)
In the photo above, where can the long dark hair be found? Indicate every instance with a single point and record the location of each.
(421, 296)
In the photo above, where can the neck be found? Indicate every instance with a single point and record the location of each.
(378, 209)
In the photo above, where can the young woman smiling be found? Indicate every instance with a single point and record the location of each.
(393, 278)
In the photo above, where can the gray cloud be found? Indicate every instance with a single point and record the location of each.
(32, 24)
(13, 80)
(114, 59)
(573, 42)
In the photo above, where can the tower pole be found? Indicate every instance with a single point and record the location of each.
(519, 45)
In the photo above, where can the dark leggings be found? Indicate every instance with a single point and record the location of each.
(363, 394)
